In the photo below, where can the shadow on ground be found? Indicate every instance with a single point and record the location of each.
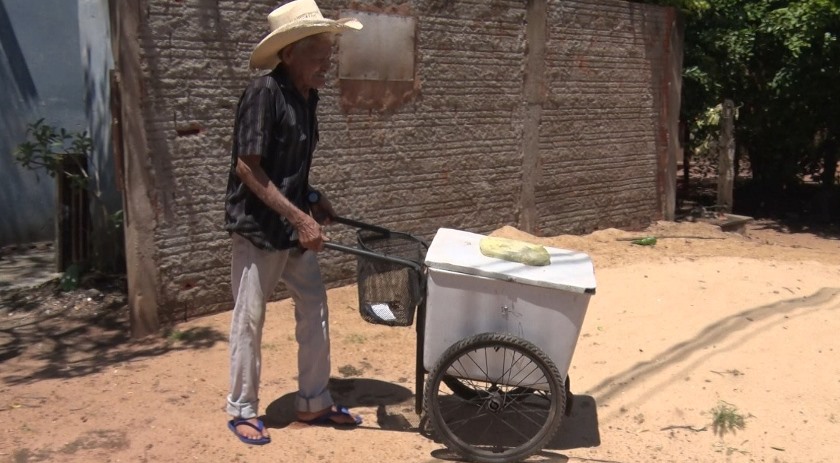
(802, 208)
(395, 412)
(577, 430)
(351, 393)
(69, 345)
(736, 328)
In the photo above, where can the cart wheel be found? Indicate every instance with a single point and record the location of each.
(569, 398)
(509, 401)
(465, 391)
(459, 388)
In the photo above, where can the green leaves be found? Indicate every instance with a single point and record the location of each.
(645, 241)
(726, 418)
(779, 61)
(70, 279)
(53, 149)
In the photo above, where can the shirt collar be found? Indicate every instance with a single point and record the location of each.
(285, 82)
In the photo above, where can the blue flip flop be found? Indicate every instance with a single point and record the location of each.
(232, 424)
(327, 418)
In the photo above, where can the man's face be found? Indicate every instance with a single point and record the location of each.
(309, 61)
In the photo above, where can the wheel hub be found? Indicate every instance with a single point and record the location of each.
(495, 402)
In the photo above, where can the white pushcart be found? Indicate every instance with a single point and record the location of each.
(495, 338)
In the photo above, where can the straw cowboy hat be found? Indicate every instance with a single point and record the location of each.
(292, 22)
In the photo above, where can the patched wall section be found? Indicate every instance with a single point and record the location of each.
(451, 156)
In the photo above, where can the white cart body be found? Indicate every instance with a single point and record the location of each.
(469, 293)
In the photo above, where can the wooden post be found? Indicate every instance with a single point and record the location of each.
(726, 157)
(535, 34)
(140, 208)
(72, 213)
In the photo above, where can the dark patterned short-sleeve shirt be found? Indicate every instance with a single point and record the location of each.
(275, 122)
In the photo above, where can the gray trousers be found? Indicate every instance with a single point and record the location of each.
(254, 276)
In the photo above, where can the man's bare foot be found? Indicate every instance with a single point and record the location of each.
(335, 415)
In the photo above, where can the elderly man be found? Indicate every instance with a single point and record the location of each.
(269, 210)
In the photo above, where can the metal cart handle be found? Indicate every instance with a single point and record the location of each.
(373, 255)
(365, 253)
(363, 225)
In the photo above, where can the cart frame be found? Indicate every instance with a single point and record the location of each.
(420, 314)
(489, 397)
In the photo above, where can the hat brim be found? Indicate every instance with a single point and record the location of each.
(264, 55)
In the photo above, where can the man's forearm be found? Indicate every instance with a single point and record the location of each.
(255, 178)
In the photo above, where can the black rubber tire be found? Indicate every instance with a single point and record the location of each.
(570, 398)
(488, 421)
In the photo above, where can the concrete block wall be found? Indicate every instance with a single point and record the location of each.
(598, 132)
(194, 62)
(451, 157)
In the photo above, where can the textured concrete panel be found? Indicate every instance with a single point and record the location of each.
(598, 146)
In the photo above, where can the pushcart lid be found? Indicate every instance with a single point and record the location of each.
(459, 251)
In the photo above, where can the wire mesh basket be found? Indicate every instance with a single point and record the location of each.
(389, 292)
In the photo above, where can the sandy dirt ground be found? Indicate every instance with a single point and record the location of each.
(702, 319)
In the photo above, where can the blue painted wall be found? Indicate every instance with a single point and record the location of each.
(49, 68)
(97, 62)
